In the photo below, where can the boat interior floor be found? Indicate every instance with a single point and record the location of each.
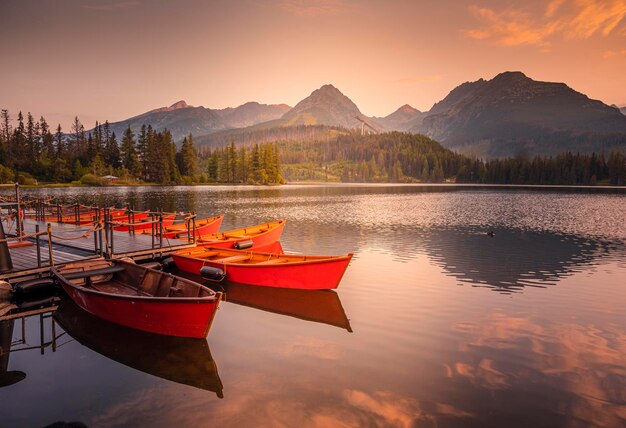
(115, 287)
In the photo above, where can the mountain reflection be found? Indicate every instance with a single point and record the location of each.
(182, 360)
(512, 259)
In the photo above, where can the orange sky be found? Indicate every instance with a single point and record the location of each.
(111, 59)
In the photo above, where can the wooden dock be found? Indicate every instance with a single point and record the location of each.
(73, 243)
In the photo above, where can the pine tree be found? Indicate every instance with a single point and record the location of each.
(112, 154)
(128, 153)
(187, 159)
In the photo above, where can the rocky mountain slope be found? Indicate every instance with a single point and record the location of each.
(513, 114)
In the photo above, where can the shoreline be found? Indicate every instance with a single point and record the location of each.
(331, 184)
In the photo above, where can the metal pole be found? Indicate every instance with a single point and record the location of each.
(50, 244)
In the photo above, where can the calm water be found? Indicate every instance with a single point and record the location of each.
(434, 324)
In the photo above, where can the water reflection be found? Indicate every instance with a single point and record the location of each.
(13, 342)
(512, 259)
(7, 377)
(181, 360)
(321, 306)
(556, 370)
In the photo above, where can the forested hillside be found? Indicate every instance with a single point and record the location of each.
(31, 152)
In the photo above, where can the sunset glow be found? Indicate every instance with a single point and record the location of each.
(110, 60)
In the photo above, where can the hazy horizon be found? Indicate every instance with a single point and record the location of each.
(110, 60)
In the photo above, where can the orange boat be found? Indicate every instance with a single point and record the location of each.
(264, 269)
(204, 226)
(146, 225)
(257, 236)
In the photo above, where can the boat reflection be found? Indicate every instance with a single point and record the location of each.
(322, 306)
(512, 259)
(177, 359)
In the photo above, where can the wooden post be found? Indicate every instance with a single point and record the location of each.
(193, 235)
(59, 218)
(19, 226)
(130, 231)
(100, 231)
(95, 233)
(112, 233)
(50, 244)
(161, 230)
(38, 245)
(152, 228)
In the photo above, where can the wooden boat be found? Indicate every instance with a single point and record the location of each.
(204, 226)
(257, 236)
(177, 359)
(146, 225)
(138, 297)
(264, 269)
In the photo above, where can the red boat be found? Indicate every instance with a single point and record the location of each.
(138, 297)
(261, 235)
(264, 269)
(168, 220)
(204, 226)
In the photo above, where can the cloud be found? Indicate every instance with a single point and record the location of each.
(569, 19)
(312, 7)
(611, 54)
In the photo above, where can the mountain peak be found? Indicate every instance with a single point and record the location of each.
(327, 106)
(511, 75)
(407, 109)
(328, 87)
(179, 104)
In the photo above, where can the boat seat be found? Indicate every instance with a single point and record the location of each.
(94, 272)
(272, 262)
(231, 259)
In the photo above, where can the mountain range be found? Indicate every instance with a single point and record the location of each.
(181, 119)
(508, 115)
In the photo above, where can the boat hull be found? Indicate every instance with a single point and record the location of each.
(180, 231)
(320, 275)
(266, 239)
(182, 319)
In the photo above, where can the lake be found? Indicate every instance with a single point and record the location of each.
(435, 323)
